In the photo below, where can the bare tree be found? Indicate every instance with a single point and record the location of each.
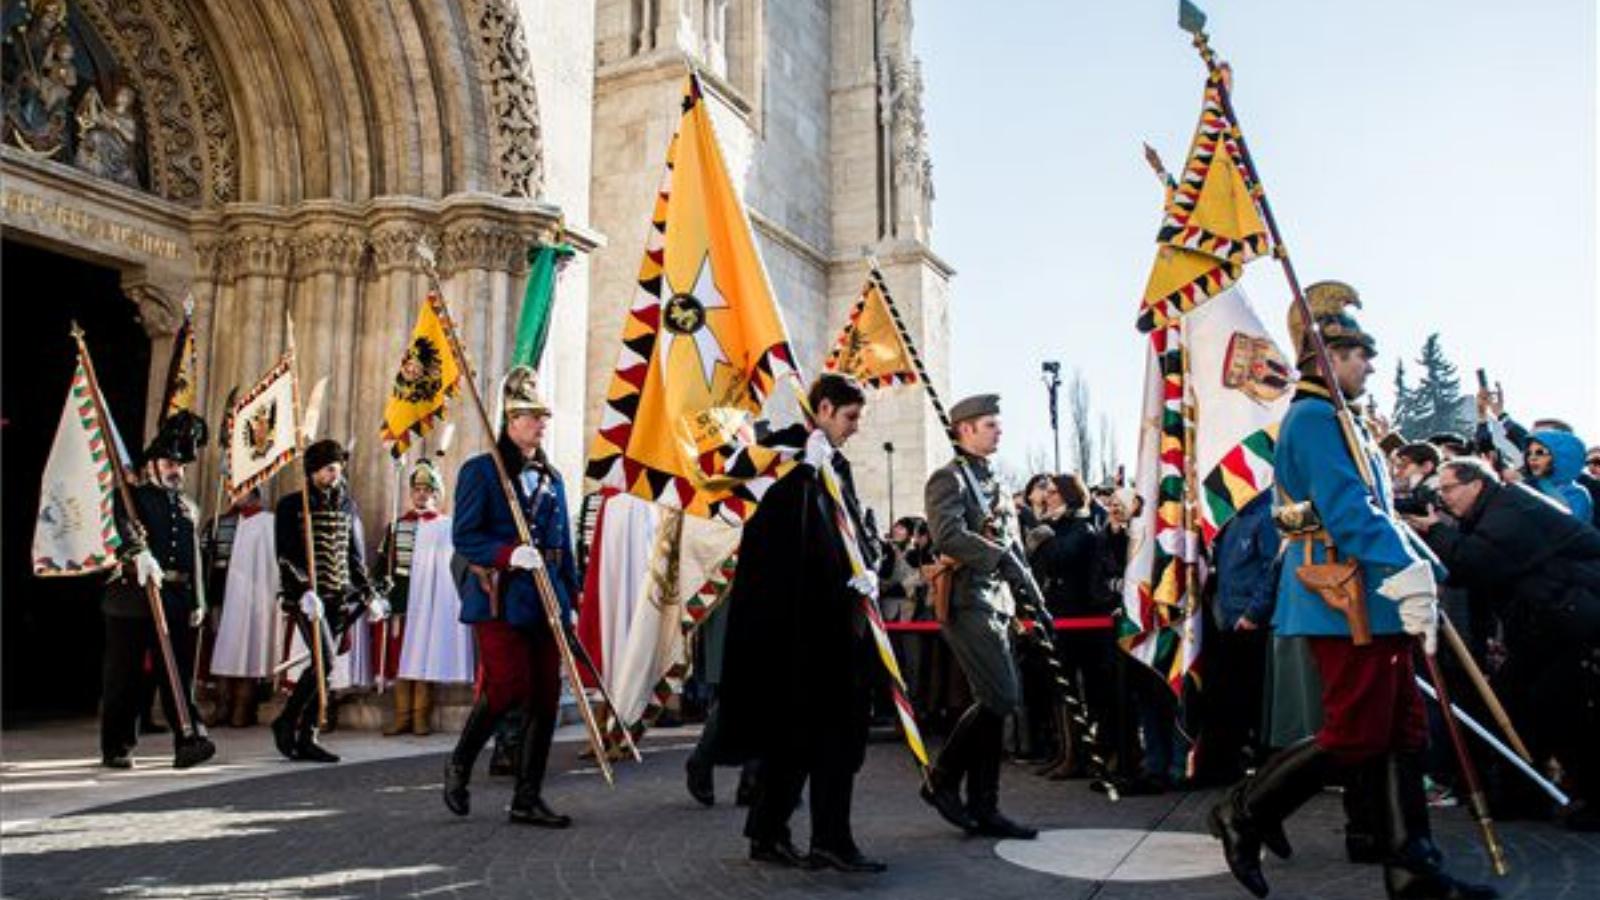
(1081, 435)
(1108, 448)
(1038, 460)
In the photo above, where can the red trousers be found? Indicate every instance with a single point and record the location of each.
(518, 667)
(1370, 701)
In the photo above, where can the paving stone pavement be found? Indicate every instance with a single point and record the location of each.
(378, 829)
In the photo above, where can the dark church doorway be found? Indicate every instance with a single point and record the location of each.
(51, 627)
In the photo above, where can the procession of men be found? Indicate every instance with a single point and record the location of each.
(1432, 604)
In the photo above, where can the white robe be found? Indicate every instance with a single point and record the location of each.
(250, 630)
(437, 647)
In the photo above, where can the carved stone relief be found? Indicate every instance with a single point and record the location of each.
(506, 75)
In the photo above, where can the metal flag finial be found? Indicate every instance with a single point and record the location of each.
(1191, 18)
(425, 251)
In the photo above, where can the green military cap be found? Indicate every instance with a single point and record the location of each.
(976, 406)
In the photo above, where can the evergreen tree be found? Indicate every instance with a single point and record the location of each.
(1437, 401)
(1404, 414)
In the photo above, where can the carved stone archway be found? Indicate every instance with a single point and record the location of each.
(297, 152)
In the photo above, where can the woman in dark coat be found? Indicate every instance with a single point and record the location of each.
(1065, 550)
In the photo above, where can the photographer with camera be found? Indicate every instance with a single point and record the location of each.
(1539, 568)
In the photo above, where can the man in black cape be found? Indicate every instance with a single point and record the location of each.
(798, 673)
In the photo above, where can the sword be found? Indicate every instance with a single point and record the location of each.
(1494, 743)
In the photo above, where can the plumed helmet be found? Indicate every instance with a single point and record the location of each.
(181, 436)
(1330, 303)
(519, 392)
(425, 474)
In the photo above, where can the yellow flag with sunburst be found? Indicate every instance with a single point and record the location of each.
(702, 345)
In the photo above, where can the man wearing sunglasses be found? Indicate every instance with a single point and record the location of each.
(1538, 568)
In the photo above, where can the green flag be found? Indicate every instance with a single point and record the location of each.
(533, 325)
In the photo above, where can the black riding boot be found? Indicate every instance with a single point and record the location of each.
(527, 806)
(1252, 813)
(1363, 825)
(476, 732)
(943, 789)
(1413, 868)
(983, 785)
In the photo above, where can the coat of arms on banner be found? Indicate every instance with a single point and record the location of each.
(262, 438)
(1254, 367)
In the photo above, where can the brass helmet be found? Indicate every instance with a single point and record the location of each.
(1330, 302)
(425, 474)
(519, 392)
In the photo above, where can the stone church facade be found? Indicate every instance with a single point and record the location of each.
(273, 156)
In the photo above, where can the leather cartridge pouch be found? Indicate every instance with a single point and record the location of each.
(1338, 582)
(489, 581)
(940, 576)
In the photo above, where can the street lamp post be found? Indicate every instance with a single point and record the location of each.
(1052, 387)
(888, 466)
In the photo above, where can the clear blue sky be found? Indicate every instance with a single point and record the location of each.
(1438, 156)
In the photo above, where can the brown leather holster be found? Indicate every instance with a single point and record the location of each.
(489, 580)
(1338, 582)
(940, 576)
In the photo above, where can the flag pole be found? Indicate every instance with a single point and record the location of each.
(1042, 626)
(314, 633)
(541, 578)
(152, 592)
(1347, 425)
(388, 625)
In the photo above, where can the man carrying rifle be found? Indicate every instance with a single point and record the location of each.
(1358, 585)
(972, 522)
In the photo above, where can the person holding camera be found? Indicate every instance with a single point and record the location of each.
(1540, 568)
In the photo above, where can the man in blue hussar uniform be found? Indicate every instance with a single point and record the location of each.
(1341, 531)
(520, 663)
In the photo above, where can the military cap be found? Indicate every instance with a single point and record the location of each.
(1330, 303)
(325, 453)
(974, 407)
(519, 392)
(180, 437)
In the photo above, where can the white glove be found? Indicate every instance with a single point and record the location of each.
(1414, 589)
(377, 610)
(197, 617)
(818, 448)
(865, 584)
(1419, 615)
(311, 605)
(526, 557)
(147, 569)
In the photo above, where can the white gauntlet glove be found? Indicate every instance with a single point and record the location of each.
(377, 610)
(197, 617)
(147, 570)
(865, 584)
(311, 605)
(1414, 589)
(526, 557)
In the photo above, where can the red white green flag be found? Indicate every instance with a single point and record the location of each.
(76, 531)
